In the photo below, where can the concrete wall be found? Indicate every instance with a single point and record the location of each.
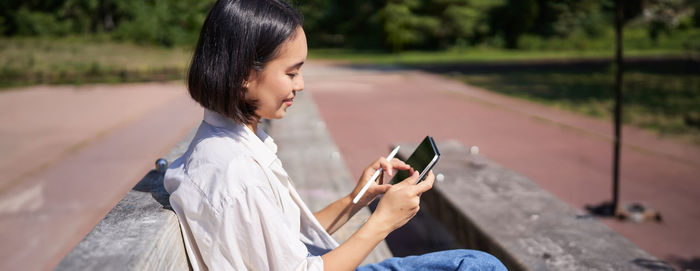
(488, 207)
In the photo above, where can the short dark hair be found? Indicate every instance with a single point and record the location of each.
(237, 36)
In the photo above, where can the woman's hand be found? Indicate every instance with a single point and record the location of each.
(401, 202)
(379, 187)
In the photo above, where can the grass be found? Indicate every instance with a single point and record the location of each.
(637, 44)
(28, 61)
(668, 104)
(471, 55)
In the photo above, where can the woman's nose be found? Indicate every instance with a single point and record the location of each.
(299, 83)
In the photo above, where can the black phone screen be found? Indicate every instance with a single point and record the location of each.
(422, 159)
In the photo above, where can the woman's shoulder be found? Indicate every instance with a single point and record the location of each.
(217, 149)
(220, 164)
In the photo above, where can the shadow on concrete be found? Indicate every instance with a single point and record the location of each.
(655, 265)
(422, 234)
(153, 183)
(686, 264)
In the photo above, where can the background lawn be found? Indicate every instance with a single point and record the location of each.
(77, 60)
(665, 102)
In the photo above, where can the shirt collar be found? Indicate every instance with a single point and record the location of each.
(261, 145)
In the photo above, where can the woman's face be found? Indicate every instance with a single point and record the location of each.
(275, 86)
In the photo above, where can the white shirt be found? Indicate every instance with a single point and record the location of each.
(237, 207)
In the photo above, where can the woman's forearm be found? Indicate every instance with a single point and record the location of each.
(353, 251)
(337, 213)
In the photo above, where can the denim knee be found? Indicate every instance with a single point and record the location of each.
(458, 259)
(476, 260)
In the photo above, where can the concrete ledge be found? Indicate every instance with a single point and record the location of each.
(491, 208)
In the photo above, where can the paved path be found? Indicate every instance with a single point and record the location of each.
(566, 154)
(70, 153)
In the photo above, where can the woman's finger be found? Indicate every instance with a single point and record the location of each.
(388, 167)
(425, 185)
(398, 164)
(376, 165)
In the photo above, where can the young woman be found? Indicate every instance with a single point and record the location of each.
(237, 208)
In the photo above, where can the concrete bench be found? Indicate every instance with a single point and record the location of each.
(488, 207)
(142, 233)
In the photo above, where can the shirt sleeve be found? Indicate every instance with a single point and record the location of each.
(248, 233)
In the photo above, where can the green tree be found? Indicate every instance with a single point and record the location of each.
(513, 19)
(402, 26)
(149, 21)
(662, 16)
(37, 23)
(162, 22)
(561, 18)
(351, 23)
(33, 18)
(462, 22)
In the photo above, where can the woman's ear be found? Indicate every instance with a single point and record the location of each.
(252, 76)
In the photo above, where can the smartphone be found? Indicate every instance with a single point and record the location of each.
(423, 159)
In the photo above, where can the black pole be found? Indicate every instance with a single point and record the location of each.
(618, 104)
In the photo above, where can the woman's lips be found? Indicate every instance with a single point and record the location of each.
(289, 101)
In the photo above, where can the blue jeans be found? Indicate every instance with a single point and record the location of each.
(458, 259)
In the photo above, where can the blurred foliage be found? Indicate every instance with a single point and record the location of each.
(391, 25)
(159, 22)
(398, 25)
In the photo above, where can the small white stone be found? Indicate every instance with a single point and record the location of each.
(440, 177)
(474, 150)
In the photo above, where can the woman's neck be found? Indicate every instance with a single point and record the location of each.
(253, 126)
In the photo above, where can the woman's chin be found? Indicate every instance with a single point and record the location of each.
(280, 114)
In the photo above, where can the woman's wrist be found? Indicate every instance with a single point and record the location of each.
(347, 199)
(347, 202)
(375, 228)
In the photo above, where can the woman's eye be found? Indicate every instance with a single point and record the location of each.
(292, 75)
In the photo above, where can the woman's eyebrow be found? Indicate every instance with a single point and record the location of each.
(296, 66)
